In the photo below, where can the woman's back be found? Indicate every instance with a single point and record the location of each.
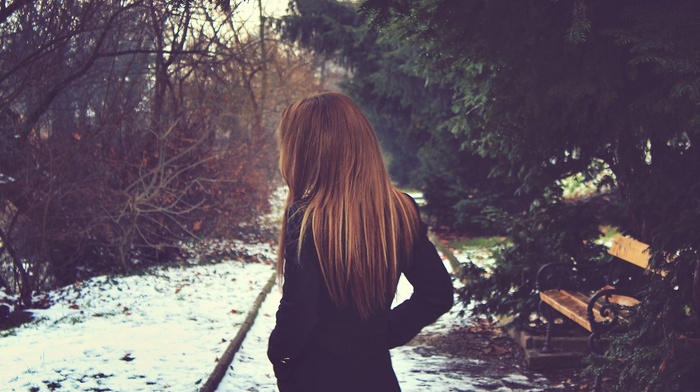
(347, 236)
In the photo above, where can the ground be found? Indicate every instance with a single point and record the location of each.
(495, 354)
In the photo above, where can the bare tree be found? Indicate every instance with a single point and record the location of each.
(129, 127)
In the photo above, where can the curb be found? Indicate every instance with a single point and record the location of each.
(456, 265)
(225, 361)
(569, 351)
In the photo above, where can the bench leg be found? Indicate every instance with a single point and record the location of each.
(594, 346)
(549, 316)
(598, 385)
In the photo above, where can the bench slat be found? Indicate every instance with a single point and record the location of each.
(571, 304)
(574, 305)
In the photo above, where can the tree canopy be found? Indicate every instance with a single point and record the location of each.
(567, 84)
(555, 88)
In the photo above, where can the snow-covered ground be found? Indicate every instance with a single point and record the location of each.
(482, 258)
(160, 331)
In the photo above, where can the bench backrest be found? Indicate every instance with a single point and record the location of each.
(630, 250)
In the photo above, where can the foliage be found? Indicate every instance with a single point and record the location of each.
(479, 243)
(661, 347)
(551, 107)
(567, 87)
(129, 127)
(460, 186)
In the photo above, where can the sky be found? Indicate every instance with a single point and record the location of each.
(248, 9)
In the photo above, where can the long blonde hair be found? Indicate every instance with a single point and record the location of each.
(363, 227)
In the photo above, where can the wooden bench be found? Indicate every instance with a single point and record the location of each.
(574, 306)
(599, 310)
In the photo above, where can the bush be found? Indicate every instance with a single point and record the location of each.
(660, 351)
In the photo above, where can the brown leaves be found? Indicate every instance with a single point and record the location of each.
(179, 287)
(494, 349)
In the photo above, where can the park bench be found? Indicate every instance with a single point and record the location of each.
(595, 297)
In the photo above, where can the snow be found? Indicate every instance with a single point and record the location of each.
(159, 331)
(482, 258)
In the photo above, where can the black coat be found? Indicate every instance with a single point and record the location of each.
(316, 346)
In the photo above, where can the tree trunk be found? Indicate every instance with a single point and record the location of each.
(696, 287)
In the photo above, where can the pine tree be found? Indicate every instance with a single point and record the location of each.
(570, 84)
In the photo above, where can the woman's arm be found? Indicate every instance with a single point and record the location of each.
(297, 313)
(433, 294)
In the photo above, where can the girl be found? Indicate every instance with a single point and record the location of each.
(347, 236)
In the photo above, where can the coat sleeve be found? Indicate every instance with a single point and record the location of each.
(297, 313)
(433, 294)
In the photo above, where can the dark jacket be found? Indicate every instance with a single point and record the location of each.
(316, 346)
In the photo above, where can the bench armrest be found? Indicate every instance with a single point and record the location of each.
(608, 309)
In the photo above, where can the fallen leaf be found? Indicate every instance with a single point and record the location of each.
(127, 357)
(494, 350)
